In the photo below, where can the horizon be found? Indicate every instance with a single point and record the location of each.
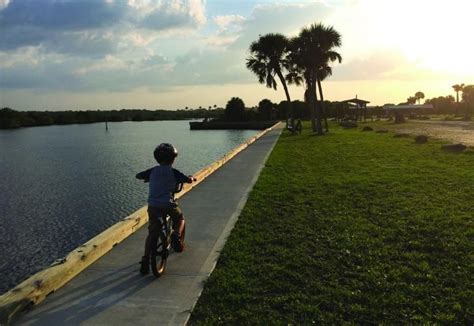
(139, 54)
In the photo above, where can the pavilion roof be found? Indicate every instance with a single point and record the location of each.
(356, 101)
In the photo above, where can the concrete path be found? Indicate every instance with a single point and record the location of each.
(112, 292)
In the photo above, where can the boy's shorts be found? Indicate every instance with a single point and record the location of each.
(154, 214)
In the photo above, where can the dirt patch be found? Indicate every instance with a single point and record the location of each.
(454, 131)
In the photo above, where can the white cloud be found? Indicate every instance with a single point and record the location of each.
(221, 40)
(226, 21)
(169, 15)
(30, 56)
(108, 63)
(387, 64)
(4, 3)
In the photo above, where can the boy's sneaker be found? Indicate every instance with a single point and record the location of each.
(176, 243)
(145, 265)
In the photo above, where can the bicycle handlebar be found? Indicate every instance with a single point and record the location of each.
(179, 186)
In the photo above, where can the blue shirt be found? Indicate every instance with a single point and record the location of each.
(164, 181)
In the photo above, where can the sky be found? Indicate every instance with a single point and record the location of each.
(157, 54)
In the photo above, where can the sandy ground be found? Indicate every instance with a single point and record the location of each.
(453, 131)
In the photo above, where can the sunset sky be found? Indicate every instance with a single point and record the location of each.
(114, 54)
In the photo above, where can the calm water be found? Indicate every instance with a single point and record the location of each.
(62, 185)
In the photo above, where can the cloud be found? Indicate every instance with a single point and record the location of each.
(376, 65)
(4, 3)
(173, 14)
(92, 27)
(229, 29)
(226, 21)
(61, 15)
(95, 59)
(382, 65)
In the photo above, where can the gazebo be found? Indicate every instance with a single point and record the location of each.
(357, 105)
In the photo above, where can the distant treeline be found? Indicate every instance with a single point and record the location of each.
(266, 110)
(10, 118)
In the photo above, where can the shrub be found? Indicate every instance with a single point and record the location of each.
(454, 148)
(421, 139)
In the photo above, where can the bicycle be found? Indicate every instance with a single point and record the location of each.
(161, 249)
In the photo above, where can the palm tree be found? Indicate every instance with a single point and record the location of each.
(419, 96)
(311, 53)
(458, 88)
(268, 57)
(322, 74)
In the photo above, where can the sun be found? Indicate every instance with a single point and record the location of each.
(437, 37)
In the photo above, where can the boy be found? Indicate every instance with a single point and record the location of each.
(163, 181)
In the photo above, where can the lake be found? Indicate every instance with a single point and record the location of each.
(62, 185)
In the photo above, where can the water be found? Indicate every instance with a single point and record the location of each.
(62, 185)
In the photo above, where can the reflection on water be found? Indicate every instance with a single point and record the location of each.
(61, 185)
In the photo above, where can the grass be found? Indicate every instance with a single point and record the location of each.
(352, 227)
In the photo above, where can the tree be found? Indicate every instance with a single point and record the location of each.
(468, 94)
(265, 109)
(468, 98)
(411, 100)
(323, 73)
(443, 104)
(419, 96)
(311, 52)
(458, 88)
(268, 57)
(235, 109)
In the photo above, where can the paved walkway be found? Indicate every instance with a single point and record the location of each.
(112, 292)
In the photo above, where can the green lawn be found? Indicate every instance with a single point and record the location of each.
(352, 227)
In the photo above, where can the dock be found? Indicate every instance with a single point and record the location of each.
(226, 125)
(112, 292)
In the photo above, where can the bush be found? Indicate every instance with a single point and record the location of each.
(348, 124)
(421, 139)
(454, 148)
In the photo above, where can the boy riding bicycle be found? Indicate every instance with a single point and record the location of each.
(163, 181)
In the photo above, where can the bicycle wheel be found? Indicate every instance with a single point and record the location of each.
(183, 233)
(161, 251)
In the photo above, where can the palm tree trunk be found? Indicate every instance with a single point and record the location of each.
(322, 105)
(309, 102)
(317, 108)
(311, 106)
(285, 87)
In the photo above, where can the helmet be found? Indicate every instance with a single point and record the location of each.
(165, 153)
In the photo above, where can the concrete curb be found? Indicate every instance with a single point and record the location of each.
(37, 287)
